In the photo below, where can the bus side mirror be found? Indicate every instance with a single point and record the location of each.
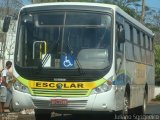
(6, 24)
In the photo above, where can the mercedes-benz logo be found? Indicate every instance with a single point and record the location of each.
(59, 86)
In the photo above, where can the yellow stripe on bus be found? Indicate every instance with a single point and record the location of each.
(62, 85)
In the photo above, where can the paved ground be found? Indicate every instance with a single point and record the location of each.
(153, 113)
(153, 108)
(16, 116)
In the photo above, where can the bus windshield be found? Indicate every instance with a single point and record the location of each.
(64, 40)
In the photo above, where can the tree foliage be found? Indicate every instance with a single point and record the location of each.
(157, 63)
(10, 7)
(129, 6)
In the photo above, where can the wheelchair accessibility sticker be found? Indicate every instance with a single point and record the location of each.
(67, 61)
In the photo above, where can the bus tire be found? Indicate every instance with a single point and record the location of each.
(42, 114)
(142, 109)
(125, 110)
(12, 108)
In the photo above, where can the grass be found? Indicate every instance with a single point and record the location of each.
(157, 98)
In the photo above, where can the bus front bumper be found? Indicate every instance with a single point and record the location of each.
(96, 102)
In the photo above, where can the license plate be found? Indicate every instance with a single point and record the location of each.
(59, 101)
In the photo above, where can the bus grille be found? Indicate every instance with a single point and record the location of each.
(49, 92)
(72, 104)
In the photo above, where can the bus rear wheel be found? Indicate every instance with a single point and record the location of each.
(142, 109)
(42, 114)
(125, 110)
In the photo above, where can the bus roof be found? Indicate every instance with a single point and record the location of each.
(70, 3)
(114, 7)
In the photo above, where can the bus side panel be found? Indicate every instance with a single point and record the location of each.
(137, 74)
(150, 81)
(141, 76)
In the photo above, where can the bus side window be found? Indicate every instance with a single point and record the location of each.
(120, 37)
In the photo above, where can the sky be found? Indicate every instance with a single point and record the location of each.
(26, 1)
(153, 4)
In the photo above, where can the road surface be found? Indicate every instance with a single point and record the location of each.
(153, 113)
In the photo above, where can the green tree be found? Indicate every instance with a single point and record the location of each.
(157, 63)
(129, 6)
(153, 22)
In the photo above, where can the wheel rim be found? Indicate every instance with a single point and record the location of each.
(144, 104)
(125, 105)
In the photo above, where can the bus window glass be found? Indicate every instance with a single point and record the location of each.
(69, 37)
(147, 49)
(129, 50)
(151, 44)
(52, 19)
(129, 42)
(137, 52)
(20, 47)
(152, 54)
(135, 36)
(148, 57)
(147, 42)
(127, 31)
(141, 38)
(143, 49)
(120, 37)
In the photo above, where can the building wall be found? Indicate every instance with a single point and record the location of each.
(10, 41)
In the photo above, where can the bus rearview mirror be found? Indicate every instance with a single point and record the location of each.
(6, 23)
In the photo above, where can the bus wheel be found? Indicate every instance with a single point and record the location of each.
(125, 110)
(42, 114)
(143, 108)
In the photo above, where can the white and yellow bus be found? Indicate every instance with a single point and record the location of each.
(82, 57)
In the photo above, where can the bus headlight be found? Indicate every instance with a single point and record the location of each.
(102, 88)
(18, 86)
